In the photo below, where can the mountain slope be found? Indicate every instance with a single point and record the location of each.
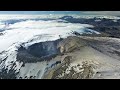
(59, 48)
(88, 61)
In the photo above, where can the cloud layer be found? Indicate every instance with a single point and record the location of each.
(114, 13)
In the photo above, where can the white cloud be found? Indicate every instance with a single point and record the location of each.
(114, 13)
(46, 30)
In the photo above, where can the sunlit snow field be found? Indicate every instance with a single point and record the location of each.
(25, 30)
(38, 28)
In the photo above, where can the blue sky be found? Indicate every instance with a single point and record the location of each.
(39, 12)
(115, 13)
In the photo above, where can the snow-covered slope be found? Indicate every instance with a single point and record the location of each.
(98, 53)
(28, 32)
(38, 31)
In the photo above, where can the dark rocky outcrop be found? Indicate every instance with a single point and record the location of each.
(38, 52)
(60, 71)
(44, 49)
(12, 74)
